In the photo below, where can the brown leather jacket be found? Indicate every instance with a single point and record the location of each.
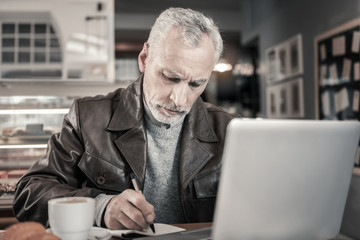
(103, 140)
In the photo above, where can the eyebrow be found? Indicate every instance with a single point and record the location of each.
(199, 81)
(173, 74)
(176, 75)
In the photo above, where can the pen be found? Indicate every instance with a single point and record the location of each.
(133, 180)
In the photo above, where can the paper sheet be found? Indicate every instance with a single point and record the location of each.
(356, 101)
(357, 71)
(338, 44)
(346, 69)
(355, 47)
(325, 97)
(341, 100)
(160, 229)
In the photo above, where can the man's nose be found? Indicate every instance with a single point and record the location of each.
(179, 95)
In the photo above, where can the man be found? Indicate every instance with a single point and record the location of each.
(158, 129)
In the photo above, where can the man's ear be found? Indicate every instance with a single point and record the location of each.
(142, 57)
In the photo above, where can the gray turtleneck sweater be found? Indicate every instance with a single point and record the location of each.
(161, 187)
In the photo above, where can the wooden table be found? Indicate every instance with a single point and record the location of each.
(193, 226)
(187, 226)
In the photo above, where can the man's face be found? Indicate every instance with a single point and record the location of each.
(175, 76)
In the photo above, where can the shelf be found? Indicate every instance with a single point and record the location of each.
(61, 88)
(6, 202)
(23, 140)
(19, 164)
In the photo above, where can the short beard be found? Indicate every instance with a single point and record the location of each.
(164, 118)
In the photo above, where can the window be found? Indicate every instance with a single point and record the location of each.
(29, 45)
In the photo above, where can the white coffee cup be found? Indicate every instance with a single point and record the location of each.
(71, 218)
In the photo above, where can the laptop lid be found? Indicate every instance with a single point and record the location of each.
(285, 179)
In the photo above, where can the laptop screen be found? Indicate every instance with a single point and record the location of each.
(285, 179)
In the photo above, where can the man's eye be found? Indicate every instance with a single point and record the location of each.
(194, 84)
(176, 80)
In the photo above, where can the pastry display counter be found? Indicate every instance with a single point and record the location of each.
(26, 124)
(14, 161)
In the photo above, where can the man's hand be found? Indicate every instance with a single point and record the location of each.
(129, 210)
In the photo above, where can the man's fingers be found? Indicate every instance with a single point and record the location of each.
(128, 223)
(129, 210)
(145, 208)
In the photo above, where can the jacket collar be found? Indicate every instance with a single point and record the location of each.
(199, 124)
(129, 116)
(129, 113)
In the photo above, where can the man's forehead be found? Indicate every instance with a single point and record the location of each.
(187, 61)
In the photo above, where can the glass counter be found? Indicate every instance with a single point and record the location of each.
(26, 124)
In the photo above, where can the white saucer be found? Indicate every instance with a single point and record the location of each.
(96, 233)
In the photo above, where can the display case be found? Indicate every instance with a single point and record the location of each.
(26, 124)
(51, 52)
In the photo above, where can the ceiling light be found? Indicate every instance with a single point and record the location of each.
(222, 66)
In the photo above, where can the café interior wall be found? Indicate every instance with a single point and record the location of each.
(274, 21)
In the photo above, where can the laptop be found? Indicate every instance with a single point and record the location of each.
(282, 179)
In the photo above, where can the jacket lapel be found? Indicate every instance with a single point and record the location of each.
(194, 155)
(128, 118)
(133, 146)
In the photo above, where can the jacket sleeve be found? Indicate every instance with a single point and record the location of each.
(56, 175)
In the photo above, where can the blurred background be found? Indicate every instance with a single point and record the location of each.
(297, 59)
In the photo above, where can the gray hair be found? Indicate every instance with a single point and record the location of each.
(192, 25)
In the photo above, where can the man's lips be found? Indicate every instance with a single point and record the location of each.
(170, 112)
